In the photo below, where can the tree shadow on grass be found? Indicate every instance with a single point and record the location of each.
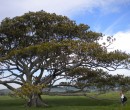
(77, 101)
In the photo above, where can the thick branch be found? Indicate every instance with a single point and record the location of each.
(11, 81)
(9, 87)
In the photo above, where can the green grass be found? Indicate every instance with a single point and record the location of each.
(68, 103)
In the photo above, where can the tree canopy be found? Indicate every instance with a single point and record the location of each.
(42, 48)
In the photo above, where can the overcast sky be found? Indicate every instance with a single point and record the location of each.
(111, 17)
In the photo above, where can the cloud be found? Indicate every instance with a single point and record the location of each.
(11, 8)
(124, 72)
(122, 41)
(2, 87)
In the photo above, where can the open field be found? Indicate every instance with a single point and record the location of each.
(109, 101)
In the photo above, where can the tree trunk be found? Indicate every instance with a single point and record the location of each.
(35, 100)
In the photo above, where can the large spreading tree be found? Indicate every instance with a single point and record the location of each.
(38, 49)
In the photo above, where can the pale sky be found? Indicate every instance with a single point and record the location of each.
(111, 17)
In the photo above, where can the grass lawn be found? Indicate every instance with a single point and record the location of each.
(69, 103)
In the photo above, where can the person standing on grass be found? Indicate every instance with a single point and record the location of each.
(123, 98)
